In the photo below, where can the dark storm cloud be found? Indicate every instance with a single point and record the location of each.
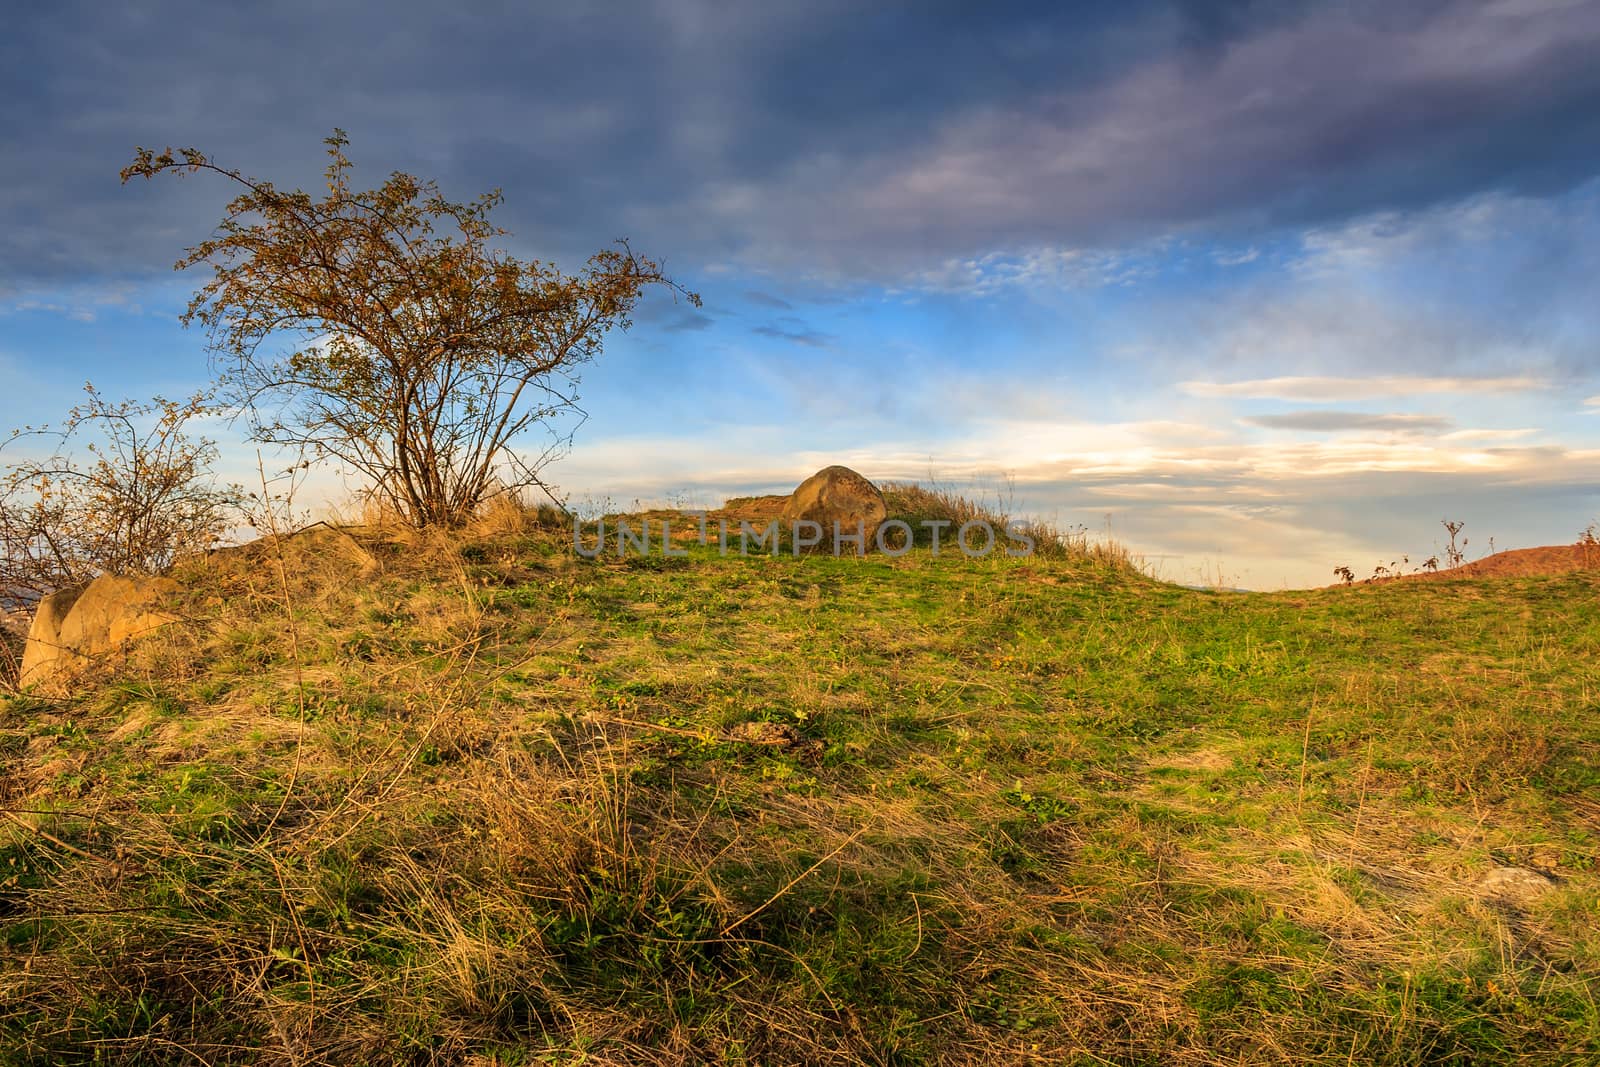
(1208, 26)
(1334, 421)
(856, 140)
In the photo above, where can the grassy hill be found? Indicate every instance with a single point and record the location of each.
(497, 804)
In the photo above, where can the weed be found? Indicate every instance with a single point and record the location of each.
(1455, 554)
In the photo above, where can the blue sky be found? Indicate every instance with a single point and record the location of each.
(1262, 288)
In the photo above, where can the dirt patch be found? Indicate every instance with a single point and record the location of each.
(1524, 562)
(1514, 885)
(758, 511)
(752, 508)
(1544, 561)
(1204, 759)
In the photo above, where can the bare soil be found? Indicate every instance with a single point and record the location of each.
(1544, 561)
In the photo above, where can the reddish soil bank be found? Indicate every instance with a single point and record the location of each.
(1518, 563)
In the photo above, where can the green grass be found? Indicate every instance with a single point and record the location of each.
(500, 805)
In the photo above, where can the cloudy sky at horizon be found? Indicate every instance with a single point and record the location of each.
(1259, 288)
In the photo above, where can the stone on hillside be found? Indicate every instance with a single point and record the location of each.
(837, 495)
(74, 626)
(1514, 884)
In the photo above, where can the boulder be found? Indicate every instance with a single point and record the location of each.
(837, 494)
(71, 627)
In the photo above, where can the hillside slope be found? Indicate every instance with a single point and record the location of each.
(498, 804)
(1524, 562)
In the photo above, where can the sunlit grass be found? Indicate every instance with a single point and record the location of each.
(501, 805)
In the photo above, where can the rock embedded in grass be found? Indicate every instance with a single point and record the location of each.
(74, 626)
(837, 495)
(1514, 884)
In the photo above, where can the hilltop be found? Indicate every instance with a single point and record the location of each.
(489, 802)
(1544, 560)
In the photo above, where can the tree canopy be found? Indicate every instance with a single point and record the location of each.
(382, 329)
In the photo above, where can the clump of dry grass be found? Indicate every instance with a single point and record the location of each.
(506, 512)
(913, 501)
(13, 639)
(916, 504)
(513, 514)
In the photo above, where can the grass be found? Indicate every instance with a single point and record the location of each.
(498, 805)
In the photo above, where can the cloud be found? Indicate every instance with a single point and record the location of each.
(1476, 243)
(1238, 259)
(1051, 268)
(1274, 128)
(793, 330)
(1334, 421)
(801, 137)
(79, 301)
(1330, 388)
(1484, 434)
(756, 296)
(689, 322)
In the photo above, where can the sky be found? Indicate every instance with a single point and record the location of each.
(1257, 289)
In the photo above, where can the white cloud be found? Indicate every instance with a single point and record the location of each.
(1488, 435)
(79, 302)
(1051, 268)
(1237, 259)
(1321, 388)
(1325, 421)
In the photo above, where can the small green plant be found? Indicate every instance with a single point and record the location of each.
(1044, 808)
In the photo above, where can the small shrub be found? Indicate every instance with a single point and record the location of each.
(142, 497)
(1588, 546)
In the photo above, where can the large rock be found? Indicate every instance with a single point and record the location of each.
(837, 494)
(75, 626)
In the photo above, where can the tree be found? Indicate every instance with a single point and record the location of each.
(142, 497)
(415, 357)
